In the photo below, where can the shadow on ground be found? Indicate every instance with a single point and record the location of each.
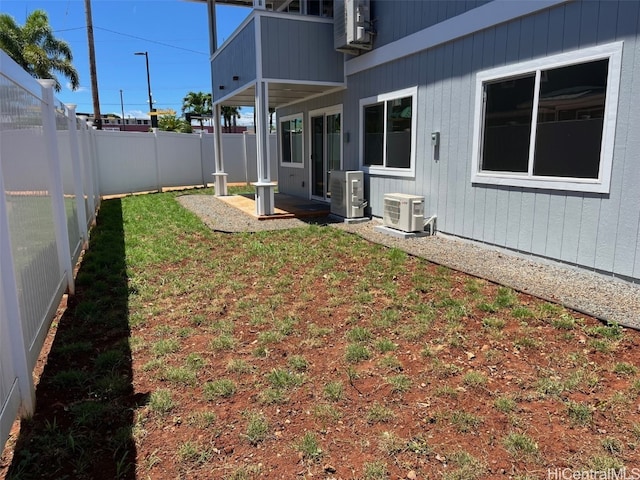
(85, 404)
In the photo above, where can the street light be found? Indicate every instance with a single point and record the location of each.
(154, 118)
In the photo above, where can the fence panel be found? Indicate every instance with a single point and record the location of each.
(235, 160)
(68, 187)
(32, 280)
(126, 162)
(179, 159)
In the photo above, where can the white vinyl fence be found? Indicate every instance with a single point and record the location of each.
(47, 176)
(54, 168)
(130, 162)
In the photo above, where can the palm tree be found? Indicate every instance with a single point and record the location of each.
(199, 104)
(229, 115)
(36, 50)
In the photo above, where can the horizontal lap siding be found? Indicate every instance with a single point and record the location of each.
(600, 232)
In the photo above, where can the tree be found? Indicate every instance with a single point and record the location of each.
(229, 115)
(171, 123)
(198, 104)
(34, 47)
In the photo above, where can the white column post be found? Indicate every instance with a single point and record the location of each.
(81, 208)
(11, 304)
(220, 177)
(57, 190)
(265, 203)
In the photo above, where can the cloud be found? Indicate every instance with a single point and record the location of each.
(136, 114)
(79, 89)
(246, 117)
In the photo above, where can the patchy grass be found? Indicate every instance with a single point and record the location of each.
(189, 353)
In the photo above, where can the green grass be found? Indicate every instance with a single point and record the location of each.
(356, 352)
(291, 318)
(281, 378)
(333, 391)
(221, 388)
(257, 428)
(309, 447)
(161, 402)
(520, 445)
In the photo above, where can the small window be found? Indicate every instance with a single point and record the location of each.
(291, 141)
(551, 123)
(388, 138)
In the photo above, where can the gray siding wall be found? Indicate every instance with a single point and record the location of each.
(300, 49)
(236, 58)
(296, 181)
(599, 232)
(416, 15)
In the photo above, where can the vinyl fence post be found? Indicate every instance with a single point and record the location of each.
(157, 159)
(81, 208)
(57, 190)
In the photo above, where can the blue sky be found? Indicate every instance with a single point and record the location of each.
(174, 33)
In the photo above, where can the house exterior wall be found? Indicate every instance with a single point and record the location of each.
(300, 48)
(592, 230)
(294, 180)
(237, 58)
(390, 26)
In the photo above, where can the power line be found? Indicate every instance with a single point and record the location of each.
(133, 36)
(152, 41)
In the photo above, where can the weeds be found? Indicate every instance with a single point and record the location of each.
(308, 446)
(257, 428)
(219, 389)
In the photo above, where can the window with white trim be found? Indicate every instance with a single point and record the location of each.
(291, 153)
(549, 123)
(388, 124)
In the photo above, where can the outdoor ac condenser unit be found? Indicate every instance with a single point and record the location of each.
(347, 193)
(403, 212)
(352, 26)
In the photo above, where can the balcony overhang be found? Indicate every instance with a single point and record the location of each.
(280, 93)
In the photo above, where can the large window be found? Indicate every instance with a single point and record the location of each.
(549, 123)
(388, 133)
(291, 141)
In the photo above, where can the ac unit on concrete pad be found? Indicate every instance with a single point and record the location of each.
(403, 212)
(347, 193)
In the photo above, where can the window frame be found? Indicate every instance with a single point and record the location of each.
(383, 170)
(612, 52)
(281, 120)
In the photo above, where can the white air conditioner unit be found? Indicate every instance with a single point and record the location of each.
(403, 212)
(347, 193)
(352, 26)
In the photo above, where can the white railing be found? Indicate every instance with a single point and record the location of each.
(54, 168)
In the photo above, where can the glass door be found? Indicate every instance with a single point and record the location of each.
(326, 150)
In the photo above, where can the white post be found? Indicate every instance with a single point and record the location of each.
(57, 190)
(220, 177)
(81, 208)
(157, 159)
(87, 154)
(11, 302)
(265, 203)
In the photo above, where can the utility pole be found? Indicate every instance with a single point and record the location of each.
(97, 117)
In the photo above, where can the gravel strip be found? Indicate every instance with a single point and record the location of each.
(603, 297)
